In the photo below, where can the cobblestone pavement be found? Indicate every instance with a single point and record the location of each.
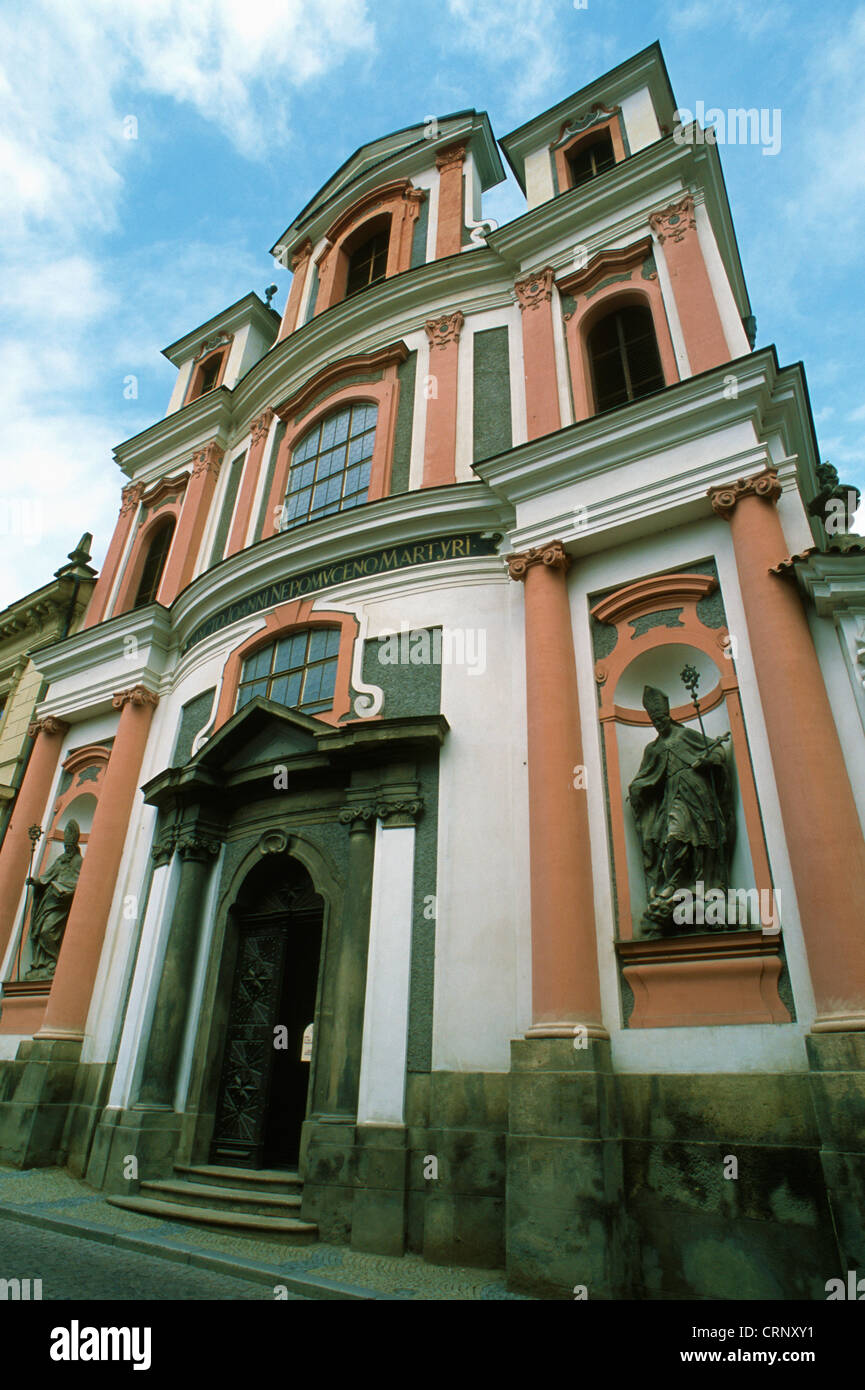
(45, 1196)
(71, 1268)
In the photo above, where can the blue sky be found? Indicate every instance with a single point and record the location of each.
(112, 248)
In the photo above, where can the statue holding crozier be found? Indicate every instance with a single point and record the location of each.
(52, 900)
(683, 807)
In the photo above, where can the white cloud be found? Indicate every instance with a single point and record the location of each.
(525, 39)
(69, 74)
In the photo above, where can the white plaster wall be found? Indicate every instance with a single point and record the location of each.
(731, 320)
(181, 382)
(381, 1091)
(843, 703)
(236, 354)
(539, 178)
(641, 123)
(673, 321)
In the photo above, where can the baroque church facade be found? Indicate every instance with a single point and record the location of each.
(452, 799)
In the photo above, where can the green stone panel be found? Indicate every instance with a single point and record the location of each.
(268, 482)
(193, 718)
(492, 393)
(419, 236)
(219, 540)
(399, 474)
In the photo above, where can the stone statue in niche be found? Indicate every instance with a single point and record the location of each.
(682, 803)
(52, 900)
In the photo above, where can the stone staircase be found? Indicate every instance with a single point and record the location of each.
(261, 1204)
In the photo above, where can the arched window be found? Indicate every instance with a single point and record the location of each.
(367, 262)
(330, 467)
(298, 671)
(206, 375)
(589, 160)
(154, 563)
(623, 354)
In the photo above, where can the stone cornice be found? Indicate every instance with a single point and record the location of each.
(170, 442)
(674, 422)
(618, 209)
(833, 580)
(334, 372)
(250, 309)
(605, 263)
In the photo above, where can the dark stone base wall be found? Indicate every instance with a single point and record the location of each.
(562, 1170)
(50, 1105)
(367, 1184)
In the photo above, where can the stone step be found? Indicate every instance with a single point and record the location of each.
(251, 1199)
(269, 1180)
(285, 1229)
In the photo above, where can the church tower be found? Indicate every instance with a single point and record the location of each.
(465, 737)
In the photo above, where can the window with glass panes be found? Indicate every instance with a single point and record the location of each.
(588, 161)
(623, 352)
(331, 465)
(367, 264)
(298, 671)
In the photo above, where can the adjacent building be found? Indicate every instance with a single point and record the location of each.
(465, 744)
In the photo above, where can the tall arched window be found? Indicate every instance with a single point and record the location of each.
(330, 467)
(154, 563)
(589, 160)
(298, 670)
(623, 355)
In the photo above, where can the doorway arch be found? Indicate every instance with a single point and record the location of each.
(264, 1076)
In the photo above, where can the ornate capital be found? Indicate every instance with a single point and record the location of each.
(445, 330)
(535, 289)
(358, 818)
(130, 496)
(259, 427)
(399, 811)
(135, 695)
(303, 253)
(207, 459)
(553, 555)
(195, 845)
(163, 847)
(725, 498)
(674, 221)
(413, 197)
(453, 155)
(48, 724)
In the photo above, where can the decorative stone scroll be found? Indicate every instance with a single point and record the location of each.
(724, 499)
(553, 555)
(137, 695)
(47, 724)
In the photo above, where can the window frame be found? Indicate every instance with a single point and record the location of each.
(299, 418)
(563, 154)
(280, 622)
(331, 659)
(289, 524)
(614, 312)
(193, 390)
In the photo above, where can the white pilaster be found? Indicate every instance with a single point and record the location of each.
(381, 1096)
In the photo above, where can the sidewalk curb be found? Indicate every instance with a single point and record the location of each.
(313, 1286)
